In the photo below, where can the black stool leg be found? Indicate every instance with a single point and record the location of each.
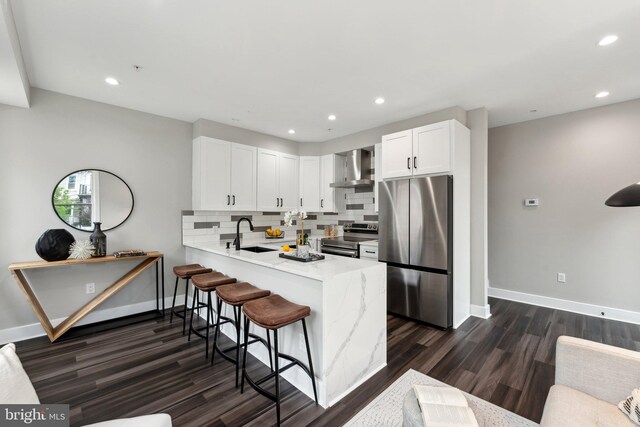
(313, 377)
(277, 372)
(244, 354)
(269, 349)
(238, 317)
(195, 302)
(209, 314)
(216, 331)
(184, 313)
(173, 304)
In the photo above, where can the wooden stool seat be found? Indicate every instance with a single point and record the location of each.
(274, 312)
(240, 293)
(208, 282)
(186, 271)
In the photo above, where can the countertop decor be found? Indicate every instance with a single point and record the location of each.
(81, 249)
(53, 245)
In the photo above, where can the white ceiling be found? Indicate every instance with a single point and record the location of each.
(280, 64)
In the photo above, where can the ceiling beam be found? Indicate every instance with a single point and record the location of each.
(14, 82)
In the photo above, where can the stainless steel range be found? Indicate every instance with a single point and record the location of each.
(349, 244)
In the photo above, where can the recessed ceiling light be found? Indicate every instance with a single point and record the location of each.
(602, 94)
(608, 40)
(291, 131)
(379, 101)
(112, 81)
(332, 117)
(533, 111)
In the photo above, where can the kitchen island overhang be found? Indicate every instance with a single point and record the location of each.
(347, 325)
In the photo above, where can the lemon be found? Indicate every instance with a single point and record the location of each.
(269, 232)
(286, 248)
(278, 232)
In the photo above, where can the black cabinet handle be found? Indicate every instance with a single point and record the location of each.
(370, 252)
(277, 202)
(409, 163)
(281, 202)
(300, 201)
(234, 200)
(414, 163)
(321, 203)
(228, 200)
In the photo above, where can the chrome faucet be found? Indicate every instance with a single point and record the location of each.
(236, 241)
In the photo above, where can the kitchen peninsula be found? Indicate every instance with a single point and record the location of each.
(348, 300)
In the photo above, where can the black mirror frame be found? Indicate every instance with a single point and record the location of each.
(53, 193)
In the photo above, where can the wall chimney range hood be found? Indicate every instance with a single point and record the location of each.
(358, 170)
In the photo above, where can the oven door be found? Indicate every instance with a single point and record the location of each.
(332, 250)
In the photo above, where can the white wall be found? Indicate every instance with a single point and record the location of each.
(572, 163)
(203, 127)
(478, 123)
(60, 134)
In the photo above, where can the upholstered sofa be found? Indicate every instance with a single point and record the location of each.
(591, 379)
(16, 388)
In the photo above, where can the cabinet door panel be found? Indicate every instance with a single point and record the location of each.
(267, 185)
(214, 171)
(288, 182)
(431, 149)
(310, 183)
(327, 176)
(377, 173)
(397, 155)
(243, 177)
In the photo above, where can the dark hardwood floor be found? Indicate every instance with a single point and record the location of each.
(150, 367)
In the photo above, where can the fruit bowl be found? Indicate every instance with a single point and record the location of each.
(273, 234)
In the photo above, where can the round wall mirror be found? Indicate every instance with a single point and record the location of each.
(92, 195)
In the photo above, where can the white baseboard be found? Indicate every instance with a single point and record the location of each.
(566, 305)
(481, 311)
(34, 330)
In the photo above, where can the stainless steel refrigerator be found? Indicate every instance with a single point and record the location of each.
(416, 242)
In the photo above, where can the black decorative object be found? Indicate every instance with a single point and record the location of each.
(54, 245)
(627, 197)
(99, 240)
(310, 258)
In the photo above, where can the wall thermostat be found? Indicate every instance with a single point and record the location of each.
(531, 202)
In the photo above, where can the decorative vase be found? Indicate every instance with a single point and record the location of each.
(98, 240)
(54, 245)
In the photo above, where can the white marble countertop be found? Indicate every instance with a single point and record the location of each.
(322, 270)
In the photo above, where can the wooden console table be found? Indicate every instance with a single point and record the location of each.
(151, 258)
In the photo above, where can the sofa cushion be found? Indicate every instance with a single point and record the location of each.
(15, 386)
(572, 408)
(155, 420)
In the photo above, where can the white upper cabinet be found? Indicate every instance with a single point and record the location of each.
(431, 149)
(277, 181)
(327, 177)
(243, 177)
(426, 150)
(310, 183)
(397, 154)
(377, 158)
(288, 176)
(216, 181)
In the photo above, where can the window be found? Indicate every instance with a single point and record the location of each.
(72, 182)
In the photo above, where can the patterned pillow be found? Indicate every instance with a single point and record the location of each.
(631, 406)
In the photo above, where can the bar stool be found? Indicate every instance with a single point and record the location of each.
(236, 296)
(206, 282)
(184, 272)
(273, 313)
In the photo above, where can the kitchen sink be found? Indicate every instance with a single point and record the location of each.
(257, 249)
